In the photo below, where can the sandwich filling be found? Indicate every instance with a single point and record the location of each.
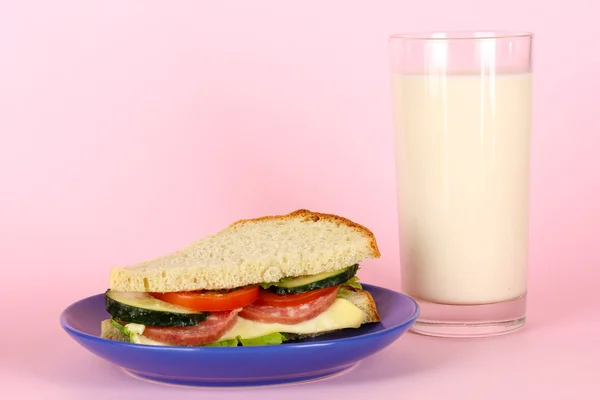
(270, 313)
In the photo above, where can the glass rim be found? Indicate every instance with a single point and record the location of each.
(461, 35)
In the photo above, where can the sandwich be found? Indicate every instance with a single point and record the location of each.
(262, 281)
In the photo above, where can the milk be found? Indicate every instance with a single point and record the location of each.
(462, 145)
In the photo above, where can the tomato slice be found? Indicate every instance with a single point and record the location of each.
(268, 298)
(211, 301)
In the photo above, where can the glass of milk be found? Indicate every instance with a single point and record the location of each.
(462, 115)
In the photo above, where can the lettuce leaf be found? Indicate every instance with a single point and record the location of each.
(344, 289)
(224, 343)
(353, 282)
(270, 339)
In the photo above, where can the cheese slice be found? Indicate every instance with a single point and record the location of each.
(342, 314)
(135, 329)
(141, 339)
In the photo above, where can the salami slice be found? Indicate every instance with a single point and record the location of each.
(289, 315)
(208, 331)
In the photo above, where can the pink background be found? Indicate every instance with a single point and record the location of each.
(131, 128)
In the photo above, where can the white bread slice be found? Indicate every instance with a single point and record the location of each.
(360, 298)
(254, 251)
(108, 331)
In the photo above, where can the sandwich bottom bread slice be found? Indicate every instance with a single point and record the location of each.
(262, 281)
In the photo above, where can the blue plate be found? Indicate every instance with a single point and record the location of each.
(317, 358)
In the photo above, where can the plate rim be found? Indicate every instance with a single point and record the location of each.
(329, 342)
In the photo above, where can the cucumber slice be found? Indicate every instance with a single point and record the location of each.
(311, 282)
(141, 308)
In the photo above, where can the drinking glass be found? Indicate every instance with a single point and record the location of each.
(462, 116)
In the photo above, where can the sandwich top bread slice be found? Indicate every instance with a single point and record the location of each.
(259, 281)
